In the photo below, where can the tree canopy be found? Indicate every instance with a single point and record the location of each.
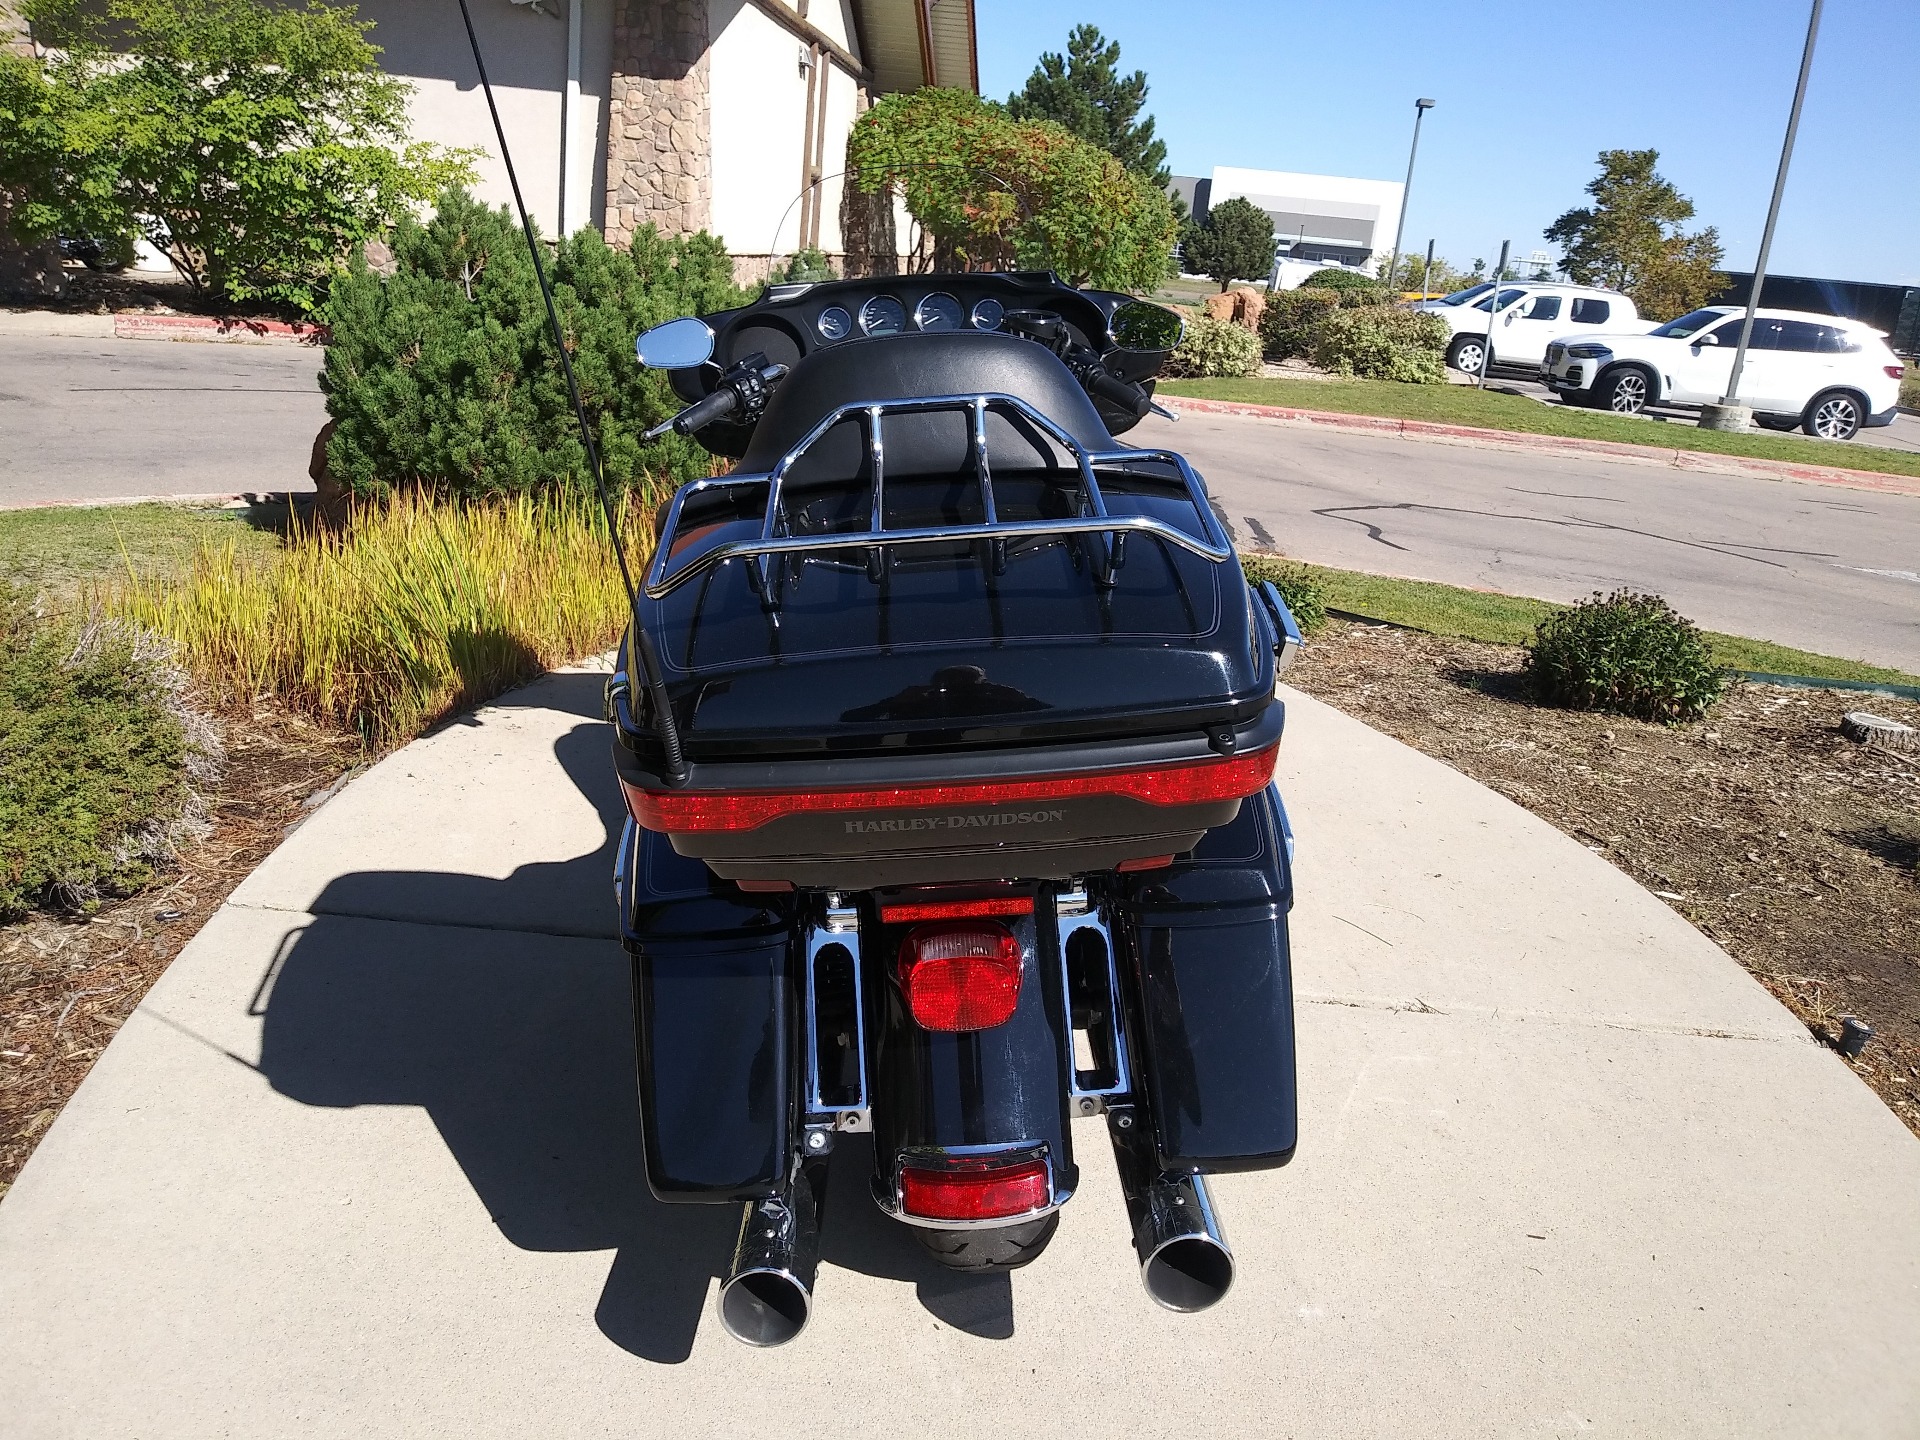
(256, 144)
(994, 192)
(1630, 239)
(1234, 242)
(1085, 94)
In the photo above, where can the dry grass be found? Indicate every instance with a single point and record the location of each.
(419, 610)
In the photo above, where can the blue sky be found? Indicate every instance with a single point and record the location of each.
(1529, 94)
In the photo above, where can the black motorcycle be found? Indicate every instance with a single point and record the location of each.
(947, 726)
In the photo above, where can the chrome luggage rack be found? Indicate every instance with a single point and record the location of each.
(1093, 517)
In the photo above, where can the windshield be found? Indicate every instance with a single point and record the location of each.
(1507, 297)
(1461, 297)
(1689, 324)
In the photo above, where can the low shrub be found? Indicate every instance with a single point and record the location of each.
(444, 374)
(1306, 597)
(1910, 387)
(1624, 652)
(807, 264)
(100, 757)
(419, 610)
(1353, 289)
(1291, 319)
(1214, 349)
(1381, 342)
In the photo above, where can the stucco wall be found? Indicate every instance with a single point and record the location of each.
(526, 56)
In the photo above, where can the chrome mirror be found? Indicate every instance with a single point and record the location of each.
(676, 345)
(1137, 325)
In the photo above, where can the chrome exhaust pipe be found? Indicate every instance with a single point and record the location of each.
(767, 1295)
(1184, 1260)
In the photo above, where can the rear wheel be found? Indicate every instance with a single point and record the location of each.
(1625, 391)
(1004, 1247)
(1835, 415)
(1468, 353)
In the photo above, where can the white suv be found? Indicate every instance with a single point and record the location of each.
(1525, 317)
(1827, 375)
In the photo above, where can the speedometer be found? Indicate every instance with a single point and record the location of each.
(988, 314)
(939, 311)
(883, 315)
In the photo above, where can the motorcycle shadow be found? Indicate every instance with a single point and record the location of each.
(517, 1041)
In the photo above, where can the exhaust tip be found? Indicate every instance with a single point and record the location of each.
(1189, 1273)
(764, 1307)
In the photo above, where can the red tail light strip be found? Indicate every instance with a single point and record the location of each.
(957, 910)
(1197, 783)
(982, 1194)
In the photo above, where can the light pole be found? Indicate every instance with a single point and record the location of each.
(1730, 414)
(1420, 108)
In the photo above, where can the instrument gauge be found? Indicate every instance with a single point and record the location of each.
(939, 311)
(883, 315)
(834, 323)
(988, 314)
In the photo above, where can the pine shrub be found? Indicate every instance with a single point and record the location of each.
(1382, 342)
(444, 374)
(1625, 652)
(1214, 349)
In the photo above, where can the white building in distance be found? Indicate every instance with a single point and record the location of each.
(1317, 219)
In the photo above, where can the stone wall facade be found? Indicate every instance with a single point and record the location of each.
(659, 144)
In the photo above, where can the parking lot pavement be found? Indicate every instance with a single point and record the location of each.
(1902, 434)
(99, 418)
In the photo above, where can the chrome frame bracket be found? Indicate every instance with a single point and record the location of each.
(837, 924)
(1075, 911)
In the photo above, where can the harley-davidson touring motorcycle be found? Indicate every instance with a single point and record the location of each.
(947, 727)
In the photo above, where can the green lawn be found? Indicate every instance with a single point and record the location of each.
(1464, 405)
(58, 549)
(1509, 620)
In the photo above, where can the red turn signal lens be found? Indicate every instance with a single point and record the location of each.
(1202, 782)
(962, 975)
(987, 1193)
(956, 910)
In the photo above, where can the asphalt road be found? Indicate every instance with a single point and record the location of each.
(97, 419)
(1826, 569)
(1822, 568)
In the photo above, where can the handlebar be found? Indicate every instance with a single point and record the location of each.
(720, 404)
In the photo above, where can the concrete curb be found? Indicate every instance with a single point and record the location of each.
(1701, 461)
(140, 325)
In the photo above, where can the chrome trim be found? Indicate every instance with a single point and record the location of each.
(973, 315)
(871, 300)
(886, 1194)
(838, 925)
(1093, 518)
(820, 323)
(1287, 630)
(1074, 912)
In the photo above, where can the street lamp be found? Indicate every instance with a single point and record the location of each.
(1730, 414)
(1420, 108)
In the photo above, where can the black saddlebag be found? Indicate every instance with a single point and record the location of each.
(714, 1019)
(1209, 941)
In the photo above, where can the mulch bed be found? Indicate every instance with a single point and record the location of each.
(66, 985)
(1794, 848)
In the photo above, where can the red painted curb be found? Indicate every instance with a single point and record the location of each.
(1704, 461)
(134, 326)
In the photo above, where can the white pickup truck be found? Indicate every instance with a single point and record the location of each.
(1524, 317)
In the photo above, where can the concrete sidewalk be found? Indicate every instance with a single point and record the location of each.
(365, 1164)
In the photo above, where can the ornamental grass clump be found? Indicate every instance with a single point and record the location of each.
(1628, 653)
(419, 610)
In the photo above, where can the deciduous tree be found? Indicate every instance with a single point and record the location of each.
(1630, 239)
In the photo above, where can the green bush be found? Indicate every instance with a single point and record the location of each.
(444, 373)
(1382, 342)
(807, 264)
(1291, 319)
(98, 755)
(1353, 289)
(1624, 652)
(1306, 597)
(1214, 349)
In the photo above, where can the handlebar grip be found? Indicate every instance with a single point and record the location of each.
(721, 402)
(1115, 391)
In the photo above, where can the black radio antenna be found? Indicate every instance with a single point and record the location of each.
(676, 769)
